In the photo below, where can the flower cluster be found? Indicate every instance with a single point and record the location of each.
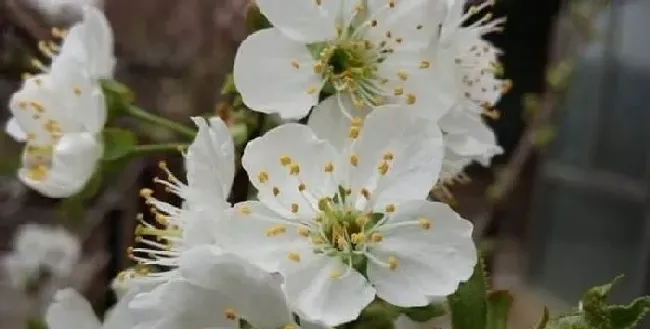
(60, 113)
(40, 250)
(395, 90)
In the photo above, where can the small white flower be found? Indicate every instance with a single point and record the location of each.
(62, 114)
(471, 66)
(216, 291)
(90, 43)
(375, 52)
(39, 248)
(344, 224)
(71, 310)
(210, 164)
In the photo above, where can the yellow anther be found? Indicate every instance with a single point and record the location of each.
(365, 193)
(295, 63)
(318, 67)
(294, 169)
(230, 314)
(317, 240)
(303, 231)
(335, 274)
(376, 237)
(276, 191)
(391, 3)
(354, 160)
(389, 34)
(146, 193)
(425, 64)
(294, 257)
(403, 75)
(317, 2)
(410, 99)
(424, 223)
(340, 242)
(263, 177)
(59, 33)
(392, 262)
(77, 91)
(276, 230)
(507, 86)
(382, 168)
(357, 238)
(38, 173)
(294, 208)
(347, 191)
(419, 27)
(328, 167)
(354, 132)
(398, 91)
(389, 208)
(373, 23)
(244, 210)
(312, 89)
(285, 160)
(357, 121)
(388, 156)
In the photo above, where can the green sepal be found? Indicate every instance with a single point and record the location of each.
(498, 308)
(35, 324)
(228, 86)
(239, 132)
(377, 315)
(255, 20)
(424, 313)
(468, 305)
(118, 143)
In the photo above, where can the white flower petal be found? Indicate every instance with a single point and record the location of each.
(13, 129)
(415, 21)
(70, 310)
(181, 304)
(79, 96)
(415, 146)
(74, 160)
(309, 324)
(119, 316)
(315, 291)
(431, 260)
(279, 185)
(478, 144)
(329, 123)
(90, 43)
(256, 295)
(257, 234)
(422, 88)
(307, 20)
(210, 163)
(275, 85)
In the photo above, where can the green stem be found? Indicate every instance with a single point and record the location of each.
(143, 115)
(157, 148)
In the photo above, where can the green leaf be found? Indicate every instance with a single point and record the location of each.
(498, 307)
(35, 324)
(424, 313)
(544, 320)
(118, 143)
(468, 305)
(628, 316)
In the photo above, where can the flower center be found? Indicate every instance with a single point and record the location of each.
(38, 161)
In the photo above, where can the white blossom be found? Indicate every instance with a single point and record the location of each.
(216, 291)
(470, 65)
(374, 52)
(71, 310)
(39, 249)
(62, 114)
(344, 223)
(210, 165)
